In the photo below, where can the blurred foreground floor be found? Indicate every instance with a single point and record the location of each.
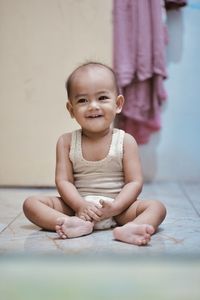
(51, 278)
(38, 263)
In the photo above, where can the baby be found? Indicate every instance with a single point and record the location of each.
(98, 170)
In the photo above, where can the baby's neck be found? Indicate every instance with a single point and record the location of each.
(97, 135)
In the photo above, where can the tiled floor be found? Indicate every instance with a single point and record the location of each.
(169, 268)
(180, 232)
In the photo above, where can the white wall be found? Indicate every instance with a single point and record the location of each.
(174, 152)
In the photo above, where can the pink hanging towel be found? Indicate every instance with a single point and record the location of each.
(139, 63)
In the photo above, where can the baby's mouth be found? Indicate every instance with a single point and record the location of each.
(94, 116)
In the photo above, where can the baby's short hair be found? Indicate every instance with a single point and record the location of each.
(91, 64)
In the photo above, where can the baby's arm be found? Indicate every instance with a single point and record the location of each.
(132, 178)
(65, 182)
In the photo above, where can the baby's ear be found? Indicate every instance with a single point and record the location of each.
(70, 108)
(120, 103)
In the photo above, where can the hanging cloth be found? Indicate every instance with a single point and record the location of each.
(139, 63)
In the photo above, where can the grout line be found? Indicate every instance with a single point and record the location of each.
(181, 185)
(8, 225)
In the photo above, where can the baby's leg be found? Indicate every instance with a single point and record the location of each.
(139, 222)
(47, 213)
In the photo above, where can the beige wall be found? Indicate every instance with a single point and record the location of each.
(41, 42)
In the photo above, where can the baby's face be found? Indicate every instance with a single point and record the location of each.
(93, 98)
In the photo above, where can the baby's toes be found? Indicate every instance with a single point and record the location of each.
(141, 242)
(60, 232)
(145, 240)
(147, 237)
(149, 229)
(63, 236)
(58, 229)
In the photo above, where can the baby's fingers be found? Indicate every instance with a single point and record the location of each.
(88, 218)
(97, 211)
(94, 216)
(84, 217)
(104, 203)
(101, 201)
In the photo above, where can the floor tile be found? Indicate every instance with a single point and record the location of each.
(178, 234)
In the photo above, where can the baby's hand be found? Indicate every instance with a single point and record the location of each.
(107, 209)
(89, 212)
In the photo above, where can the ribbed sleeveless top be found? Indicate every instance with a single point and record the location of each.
(103, 177)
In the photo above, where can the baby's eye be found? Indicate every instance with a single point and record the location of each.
(82, 100)
(103, 98)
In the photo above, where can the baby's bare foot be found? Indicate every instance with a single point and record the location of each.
(70, 227)
(134, 233)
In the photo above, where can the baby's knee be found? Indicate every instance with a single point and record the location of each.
(160, 208)
(28, 204)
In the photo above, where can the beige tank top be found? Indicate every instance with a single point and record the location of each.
(103, 177)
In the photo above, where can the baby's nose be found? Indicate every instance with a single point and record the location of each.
(94, 104)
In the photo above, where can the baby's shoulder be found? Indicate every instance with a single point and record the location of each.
(129, 140)
(131, 149)
(64, 140)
